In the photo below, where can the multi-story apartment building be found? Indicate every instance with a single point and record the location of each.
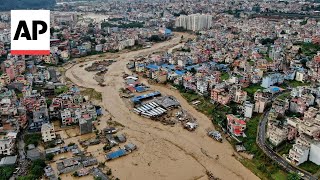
(47, 132)
(194, 22)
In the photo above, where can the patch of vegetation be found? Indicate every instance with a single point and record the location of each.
(71, 144)
(252, 89)
(60, 90)
(293, 176)
(190, 96)
(107, 147)
(33, 138)
(309, 49)
(284, 148)
(49, 157)
(115, 124)
(296, 83)
(268, 41)
(284, 96)
(251, 132)
(280, 175)
(6, 172)
(92, 94)
(268, 59)
(310, 167)
(224, 76)
(131, 24)
(262, 170)
(251, 62)
(35, 171)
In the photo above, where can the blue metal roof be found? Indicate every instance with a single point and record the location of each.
(140, 88)
(169, 66)
(138, 98)
(180, 73)
(153, 66)
(116, 154)
(193, 66)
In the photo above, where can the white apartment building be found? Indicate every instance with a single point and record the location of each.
(5, 36)
(7, 144)
(272, 79)
(276, 134)
(194, 22)
(315, 153)
(299, 154)
(65, 114)
(202, 86)
(47, 132)
(248, 109)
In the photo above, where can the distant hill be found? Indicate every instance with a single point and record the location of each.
(6, 5)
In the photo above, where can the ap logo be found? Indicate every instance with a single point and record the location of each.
(30, 32)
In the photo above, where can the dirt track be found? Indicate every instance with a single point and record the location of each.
(164, 152)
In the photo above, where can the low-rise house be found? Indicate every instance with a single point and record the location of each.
(97, 173)
(235, 125)
(49, 172)
(34, 154)
(89, 161)
(69, 165)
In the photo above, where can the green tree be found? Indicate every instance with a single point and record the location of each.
(102, 41)
(6, 171)
(293, 176)
(49, 157)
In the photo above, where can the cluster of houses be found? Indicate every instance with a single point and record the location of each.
(297, 118)
(32, 95)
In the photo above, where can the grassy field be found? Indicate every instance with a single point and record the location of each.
(280, 175)
(34, 138)
(225, 76)
(296, 83)
(252, 89)
(284, 96)
(92, 94)
(251, 132)
(310, 49)
(6, 171)
(310, 167)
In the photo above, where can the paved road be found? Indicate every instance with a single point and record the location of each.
(261, 141)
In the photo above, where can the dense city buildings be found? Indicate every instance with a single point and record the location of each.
(122, 76)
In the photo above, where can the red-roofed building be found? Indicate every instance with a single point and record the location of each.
(236, 126)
